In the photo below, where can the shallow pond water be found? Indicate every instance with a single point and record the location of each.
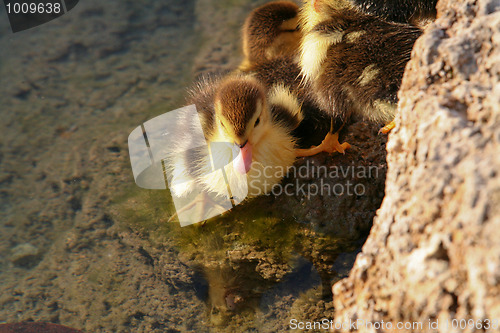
(81, 245)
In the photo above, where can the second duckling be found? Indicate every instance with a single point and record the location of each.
(354, 61)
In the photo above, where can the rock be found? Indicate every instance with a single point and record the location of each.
(433, 253)
(24, 255)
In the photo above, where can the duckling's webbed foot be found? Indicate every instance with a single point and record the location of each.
(387, 128)
(330, 145)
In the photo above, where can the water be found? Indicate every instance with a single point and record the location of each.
(81, 245)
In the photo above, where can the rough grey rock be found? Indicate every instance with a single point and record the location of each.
(433, 252)
(24, 255)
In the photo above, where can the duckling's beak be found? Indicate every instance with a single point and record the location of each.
(243, 161)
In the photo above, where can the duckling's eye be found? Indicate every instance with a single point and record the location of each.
(257, 122)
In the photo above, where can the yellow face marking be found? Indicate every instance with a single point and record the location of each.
(353, 37)
(369, 73)
(258, 115)
(224, 132)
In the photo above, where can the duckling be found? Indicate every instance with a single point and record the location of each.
(285, 72)
(271, 55)
(248, 130)
(270, 31)
(354, 61)
(270, 44)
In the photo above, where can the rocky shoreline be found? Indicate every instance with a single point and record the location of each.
(432, 257)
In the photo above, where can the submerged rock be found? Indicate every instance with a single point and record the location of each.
(25, 255)
(433, 253)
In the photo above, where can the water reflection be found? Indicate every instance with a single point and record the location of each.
(258, 262)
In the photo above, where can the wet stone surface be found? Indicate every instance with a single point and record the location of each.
(433, 255)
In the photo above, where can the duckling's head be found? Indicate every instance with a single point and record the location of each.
(314, 12)
(242, 116)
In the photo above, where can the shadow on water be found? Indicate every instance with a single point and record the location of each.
(250, 259)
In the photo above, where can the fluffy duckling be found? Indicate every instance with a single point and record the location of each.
(270, 45)
(284, 72)
(270, 31)
(248, 129)
(354, 61)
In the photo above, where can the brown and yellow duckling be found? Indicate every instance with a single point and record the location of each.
(284, 75)
(354, 61)
(269, 32)
(270, 44)
(247, 127)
